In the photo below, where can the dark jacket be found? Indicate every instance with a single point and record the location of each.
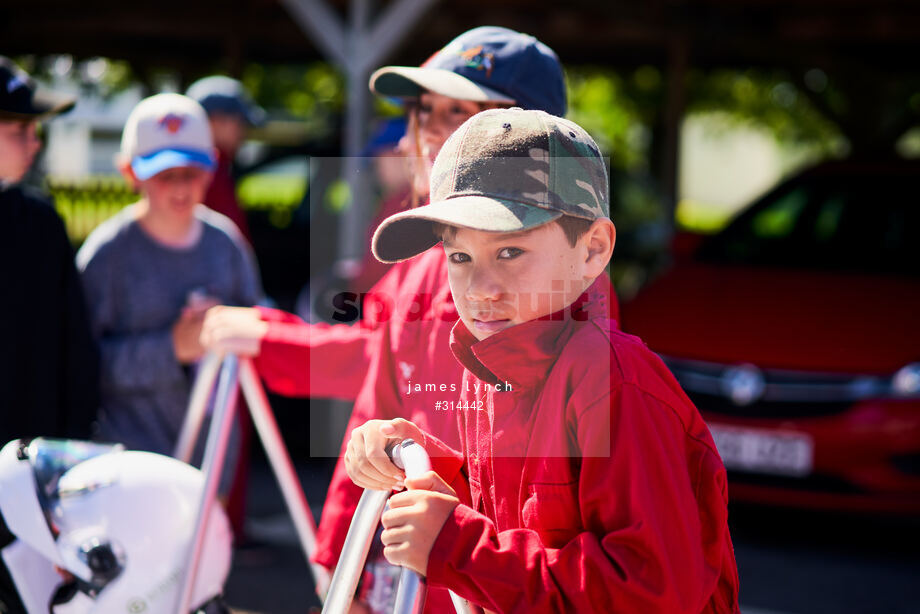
(49, 365)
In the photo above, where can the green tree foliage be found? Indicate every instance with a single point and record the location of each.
(314, 94)
(771, 100)
(618, 109)
(103, 77)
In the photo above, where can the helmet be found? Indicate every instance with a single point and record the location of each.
(121, 522)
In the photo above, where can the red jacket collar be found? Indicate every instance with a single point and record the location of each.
(522, 355)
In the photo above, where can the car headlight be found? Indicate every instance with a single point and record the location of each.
(906, 382)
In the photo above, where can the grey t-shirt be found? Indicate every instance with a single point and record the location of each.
(135, 290)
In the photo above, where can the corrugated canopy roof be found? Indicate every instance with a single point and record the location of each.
(195, 36)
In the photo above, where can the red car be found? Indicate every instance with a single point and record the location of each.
(796, 332)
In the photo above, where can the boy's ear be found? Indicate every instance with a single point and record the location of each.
(124, 167)
(599, 241)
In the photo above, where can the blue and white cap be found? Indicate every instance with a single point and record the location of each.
(167, 131)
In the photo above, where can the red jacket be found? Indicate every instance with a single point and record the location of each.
(285, 364)
(412, 348)
(593, 485)
(372, 270)
(221, 195)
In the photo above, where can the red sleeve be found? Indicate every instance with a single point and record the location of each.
(654, 538)
(285, 359)
(268, 314)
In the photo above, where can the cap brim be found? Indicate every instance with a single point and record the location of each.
(145, 167)
(409, 81)
(410, 233)
(252, 114)
(45, 104)
(255, 116)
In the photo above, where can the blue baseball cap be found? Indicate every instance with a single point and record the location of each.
(386, 136)
(219, 94)
(485, 64)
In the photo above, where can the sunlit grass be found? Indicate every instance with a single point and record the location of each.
(271, 191)
(85, 204)
(701, 217)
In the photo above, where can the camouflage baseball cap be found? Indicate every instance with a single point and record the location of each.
(503, 170)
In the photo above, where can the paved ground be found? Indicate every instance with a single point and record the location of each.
(789, 562)
(821, 563)
(270, 574)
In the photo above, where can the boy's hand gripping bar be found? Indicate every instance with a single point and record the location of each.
(410, 595)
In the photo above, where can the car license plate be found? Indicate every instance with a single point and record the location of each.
(776, 452)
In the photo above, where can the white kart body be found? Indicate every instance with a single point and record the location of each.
(139, 507)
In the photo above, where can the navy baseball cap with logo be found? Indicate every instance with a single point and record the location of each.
(22, 100)
(485, 64)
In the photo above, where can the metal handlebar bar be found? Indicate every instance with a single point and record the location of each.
(354, 552)
(410, 595)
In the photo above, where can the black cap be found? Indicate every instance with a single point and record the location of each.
(22, 100)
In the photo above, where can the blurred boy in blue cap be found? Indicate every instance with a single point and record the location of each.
(152, 270)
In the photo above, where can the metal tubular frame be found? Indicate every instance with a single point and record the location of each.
(283, 468)
(197, 404)
(239, 374)
(215, 452)
(354, 551)
(412, 591)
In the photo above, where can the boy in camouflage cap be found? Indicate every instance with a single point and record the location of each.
(587, 481)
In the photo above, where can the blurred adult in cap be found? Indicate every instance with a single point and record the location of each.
(49, 377)
(48, 362)
(231, 113)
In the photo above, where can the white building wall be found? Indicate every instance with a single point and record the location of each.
(86, 141)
